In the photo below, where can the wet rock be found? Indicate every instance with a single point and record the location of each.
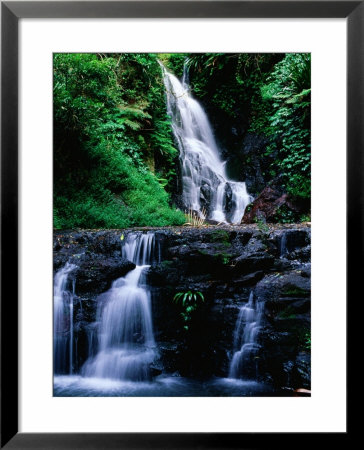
(156, 368)
(271, 204)
(302, 254)
(205, 195)
(95, 274)
(254, 263)
(306, 271)
(278, 286)
(228, 198)
(212, 222)
(170, 356)
(290, 240)
(241, 239)
(245, 157)
(286, 326)
(248, 280)
(265, 206)
(303, 370)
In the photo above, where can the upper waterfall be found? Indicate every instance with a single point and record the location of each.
(205, 181)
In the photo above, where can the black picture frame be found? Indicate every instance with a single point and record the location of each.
(11, 12)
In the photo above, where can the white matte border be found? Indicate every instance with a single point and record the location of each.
(325, 411)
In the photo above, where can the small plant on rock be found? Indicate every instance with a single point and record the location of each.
(262, 226)
(190, 301)
(195, 220)
(307, 340)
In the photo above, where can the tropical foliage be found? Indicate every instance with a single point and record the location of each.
(114, 156)
(270, 95)
(288, 94)
(115, 160)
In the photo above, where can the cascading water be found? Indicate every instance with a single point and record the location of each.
(205, 182)
(248, 325)
(121, 347)
(64, 293)
(283, 245)
(126, 345)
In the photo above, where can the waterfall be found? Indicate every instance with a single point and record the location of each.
(71, 324)
(283, 246)
(126, 345)
(248, 325)
(63, 320)
(205, 182)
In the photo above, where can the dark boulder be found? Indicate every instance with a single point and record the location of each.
(273, 204)
(286, 329)
(205, 195)
(294, 244)
(95, 274)
(228, 198)
(254, 256)
(248, 161)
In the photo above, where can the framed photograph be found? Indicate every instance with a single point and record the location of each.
(171, 172)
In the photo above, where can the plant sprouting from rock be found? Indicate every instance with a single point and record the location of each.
(193, 219)
(262, 226)
(189, 301)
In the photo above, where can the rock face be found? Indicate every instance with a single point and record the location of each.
(272, 205)
(97, 255)
(223, 263)
(251, 162)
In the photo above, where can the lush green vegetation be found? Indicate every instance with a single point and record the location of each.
(115, 160)
(114, 157)
(288, 120)
(269, 95)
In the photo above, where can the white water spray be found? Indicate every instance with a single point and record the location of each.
(125, 333)
(248, 325)
(205, 182)
(63, 320)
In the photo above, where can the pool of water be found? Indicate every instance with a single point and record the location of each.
(162, 386)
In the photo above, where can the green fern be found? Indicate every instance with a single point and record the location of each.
(189, 301)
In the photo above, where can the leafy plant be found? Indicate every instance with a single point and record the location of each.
(285, 215)
(262, 226)
(188, 297)
(223, 258)
(305, 339)
(220, 236)
(307, 342)
(114, 156)
(305, 218)
(287, 95)
(189, 301)
(174, 62)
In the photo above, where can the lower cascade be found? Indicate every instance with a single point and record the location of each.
(64, 293)
(248, 325)
(206, 185)
(125, 340)
(119, 331)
